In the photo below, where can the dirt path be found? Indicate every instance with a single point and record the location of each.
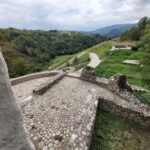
(95, 61)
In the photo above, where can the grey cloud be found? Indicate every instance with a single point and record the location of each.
(70, 14)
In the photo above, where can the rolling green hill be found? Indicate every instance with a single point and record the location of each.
(35, 49)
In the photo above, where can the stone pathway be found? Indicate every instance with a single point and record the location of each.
(64, 115)
(95, 61)
(24, 90)
(52, 118)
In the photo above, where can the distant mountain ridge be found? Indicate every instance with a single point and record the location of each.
(112, 31)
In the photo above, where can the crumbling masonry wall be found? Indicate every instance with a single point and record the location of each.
(121, 102)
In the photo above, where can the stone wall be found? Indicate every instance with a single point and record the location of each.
(81, 137)
(121, 102)
(116, 83)
(28, 77)
(121, 110)
(45, 86)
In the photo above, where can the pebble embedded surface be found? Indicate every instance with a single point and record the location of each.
(52, 118)
(24, 89)
(63, 117)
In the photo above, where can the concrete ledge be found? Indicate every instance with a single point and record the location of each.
(41, 89)
(28, 77)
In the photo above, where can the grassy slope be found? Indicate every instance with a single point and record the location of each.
(58, 61)
(114, 65)
(101, 49)
(115, 133)
(81, 62)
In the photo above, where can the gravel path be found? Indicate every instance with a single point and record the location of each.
(95, 61)
(24, 90)
(52, 118)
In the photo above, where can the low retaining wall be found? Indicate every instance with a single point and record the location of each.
(120, 110)
(81, 137)
(41, 89)
(116, 84)
(28, 77)
(119, 99)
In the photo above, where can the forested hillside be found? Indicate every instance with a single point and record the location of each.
(113, 31)
(27, 51)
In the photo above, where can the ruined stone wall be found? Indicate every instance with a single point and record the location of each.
(81, 137)
(119, 110)
(121, 102)
(28, 77)
(47, 85)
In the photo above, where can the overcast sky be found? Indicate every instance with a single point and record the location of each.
(70, 14)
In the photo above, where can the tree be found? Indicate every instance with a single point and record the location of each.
(145, 40)
(136, 32)
(145, 69)
(19, 67)
(142, 23)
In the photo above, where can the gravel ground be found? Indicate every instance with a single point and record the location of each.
(24, 90)
(52, 118)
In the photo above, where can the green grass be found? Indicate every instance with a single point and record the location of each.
(115, 133)
(59, 61)
(81, 62)
(143, 96)
(114, 65)
(101, 49)
(81, 65)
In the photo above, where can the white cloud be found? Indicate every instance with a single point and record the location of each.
(70, 14)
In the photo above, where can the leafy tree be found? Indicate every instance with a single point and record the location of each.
(19, 67)
(145, 40)
(145, 69)
(142, 23)
(136, 32)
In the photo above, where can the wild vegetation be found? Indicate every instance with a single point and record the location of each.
(41, 46)
(115, 133)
